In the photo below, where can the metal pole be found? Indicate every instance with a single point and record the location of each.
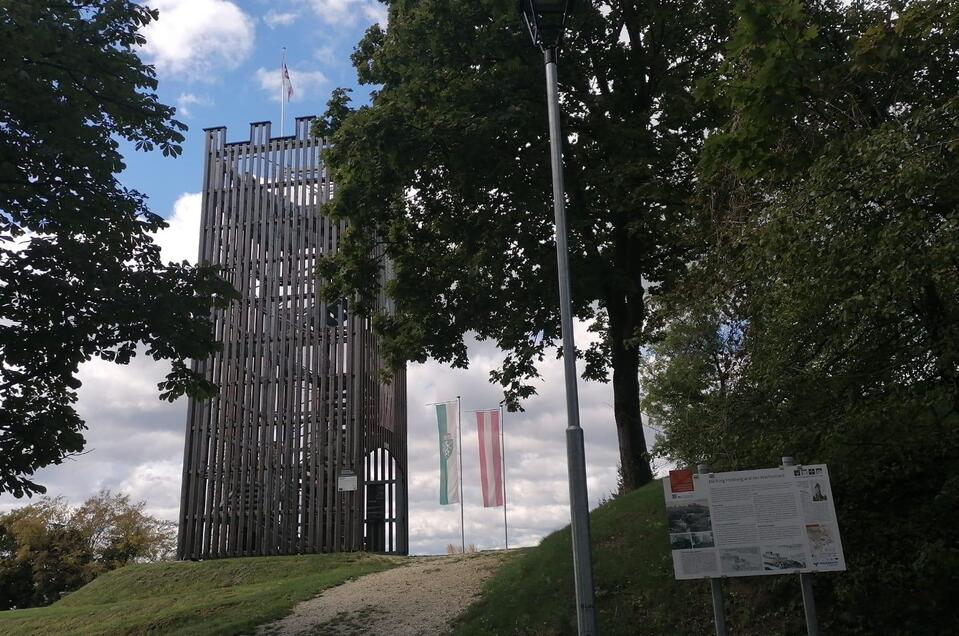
(575, 452)
(459, 435)
(805, 582)
(502, 445)
(716, 585)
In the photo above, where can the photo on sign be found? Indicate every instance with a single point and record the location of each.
(817, 493)
(688, 516)
(680, 541)
(825, 548)
(703, 540)
(735, 560)
(784, 557)
(820, 537)
(681, 481)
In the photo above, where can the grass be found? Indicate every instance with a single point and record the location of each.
(633, 577)
(228, 596)
(531, 593)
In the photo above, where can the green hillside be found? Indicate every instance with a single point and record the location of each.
(532, 593)
(227, 596)
(635, 590)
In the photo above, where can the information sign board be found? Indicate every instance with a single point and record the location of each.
(346, 481)
(752, 522)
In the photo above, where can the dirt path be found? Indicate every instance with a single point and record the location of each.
(418, 598)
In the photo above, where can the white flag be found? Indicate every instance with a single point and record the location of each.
(447, 422)
(287, 84)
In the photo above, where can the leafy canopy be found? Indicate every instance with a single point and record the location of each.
(446, 176)
(821, 317)
(80, 276)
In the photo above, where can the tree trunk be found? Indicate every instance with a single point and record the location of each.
(625, 318)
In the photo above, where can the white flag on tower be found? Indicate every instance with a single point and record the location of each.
(287, 84)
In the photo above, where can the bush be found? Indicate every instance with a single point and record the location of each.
(50, 548)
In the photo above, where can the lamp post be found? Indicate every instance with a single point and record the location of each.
(546, 20)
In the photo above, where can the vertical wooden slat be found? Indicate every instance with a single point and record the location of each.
(251, 437)
(299, 258)
(314, 311)
(212, 509)
(261, 353)
(292, 357)
(234, 427)
(286, 359)
(272, 291)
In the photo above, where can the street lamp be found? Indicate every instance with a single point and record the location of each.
(546, 20)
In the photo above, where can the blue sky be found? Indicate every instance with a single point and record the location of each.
(218, 61)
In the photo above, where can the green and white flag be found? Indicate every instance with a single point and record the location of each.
(447, 420)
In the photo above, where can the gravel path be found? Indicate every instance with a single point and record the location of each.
(419, 598)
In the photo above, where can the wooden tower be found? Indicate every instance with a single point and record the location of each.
(303, 449)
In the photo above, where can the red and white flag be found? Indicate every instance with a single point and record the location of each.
(287, 84)
(488, 432)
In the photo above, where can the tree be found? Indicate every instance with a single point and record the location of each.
(821, 318)
(81, 276)
(49, 548)
(446, 174)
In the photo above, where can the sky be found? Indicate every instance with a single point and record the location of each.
(218, 63)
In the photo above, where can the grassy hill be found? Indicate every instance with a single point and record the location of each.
(531, 594)
(227, 596)
(635, 590)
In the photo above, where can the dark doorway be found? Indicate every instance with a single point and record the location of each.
(382, 504)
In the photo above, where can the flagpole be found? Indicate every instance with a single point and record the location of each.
(502, 440)
(282, 92)
(459, 434)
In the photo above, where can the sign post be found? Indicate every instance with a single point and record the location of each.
(716, 585)
(805, 580)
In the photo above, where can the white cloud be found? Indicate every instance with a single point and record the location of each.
(349, 11)
(198, 39)
(158, 483)
(133, 439)
(306, 83)
(328, 55)
(274, 18)
(186, 101)
(180, 241)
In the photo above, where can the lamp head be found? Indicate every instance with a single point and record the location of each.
(546, 20)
